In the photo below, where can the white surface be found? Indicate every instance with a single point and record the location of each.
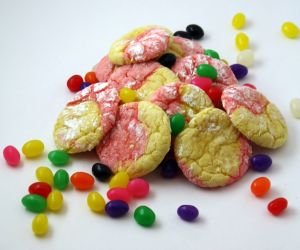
(44, 42)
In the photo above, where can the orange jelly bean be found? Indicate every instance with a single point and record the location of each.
(82, 181)
(90, 77)
(260, 186)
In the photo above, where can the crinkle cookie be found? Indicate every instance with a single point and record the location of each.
(87, 118)
(140, 45)
(254, 116)
(186, 99)
(104, 69)
(185, 69)
(182, 47)
(210, 151)
(139, 141)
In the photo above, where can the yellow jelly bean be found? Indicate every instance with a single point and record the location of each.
(127, 95)
(246, 57)
(40, 224)
(44, 174)
(96, 202)
(120, 179)
(55, 200)
(33, 148)
(242, 41)
(239, 21)
(295, 107)
(290, 30)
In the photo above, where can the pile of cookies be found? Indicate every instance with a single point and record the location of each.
(160, 69)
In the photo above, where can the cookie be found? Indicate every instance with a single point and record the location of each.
(210, 151)
(87, 118)
(139, 141)
(182, 47)
(186, 99)
(140, 45)
(145, 78)
(185, 69)
(254, 116)
(104, 69)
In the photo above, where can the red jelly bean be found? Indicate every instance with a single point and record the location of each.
(74, 83)
(277, 206)
(119, 194)
(11, 155)
(90, 77)
(260, 186)
(214, 93)
(82, 181)
(249, 85)
(203, 83)
(138, 188)
(40, 188)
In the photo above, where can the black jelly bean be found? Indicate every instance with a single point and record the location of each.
(167, 60)
(101, 172)
(195, 31)
(183, 34)
(169, 169)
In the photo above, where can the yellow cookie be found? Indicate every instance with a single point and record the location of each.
(182, 47)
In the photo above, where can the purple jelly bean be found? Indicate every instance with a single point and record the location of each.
(188, 212)
(260, 162)
(239, 70)
(116, 208)
(169, 169)
(84, 85)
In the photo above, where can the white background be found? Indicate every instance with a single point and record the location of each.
(42, 43)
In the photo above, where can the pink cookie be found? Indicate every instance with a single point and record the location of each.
(182, 47)
(104, 69)
(186, 99)
(185, 69)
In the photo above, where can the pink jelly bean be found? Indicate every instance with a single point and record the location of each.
(203, 83)
(119, 194)
(11, 155)
(139, 188)
(249, 85)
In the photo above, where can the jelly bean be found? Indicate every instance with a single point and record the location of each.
(239, 21)
(195, 31)
(290, 30)
(101, 171)
(167, 60)
(183, 34)
(224, 61)
(58, 157)
(119, 194)
(249, 85)
(127, 95)
(169, 169)
(40, 188)
(11, 155)
(295, 107)
(33, 148)
(177, 122)
(116, 208)
(214, 93)
(246, 57)
(55, 201)
(40, 224)
(82, 181)
(260, 186)
(277, 206)
(206, 70)
(96, 202)
(144, 216)
(44, 174)
(239, 70)
(138, 188)
(84, 85)
(34, 203)
(188, 212)
(74, 83)
(203, 83)
(211, 53)
(90, 77)
(242, 41)
(120, 179)
(61, 179)
(260, 162)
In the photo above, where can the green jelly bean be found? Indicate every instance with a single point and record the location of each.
(144, 216)
(212, 53)
(177, 123)
(58, 157)
(61, 179)
(34, 203)
(206, 70)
